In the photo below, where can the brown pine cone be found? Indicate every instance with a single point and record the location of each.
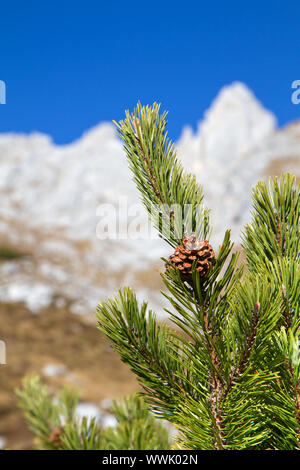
(55, 436)
(193, 249)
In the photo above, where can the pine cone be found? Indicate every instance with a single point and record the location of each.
(193, 249)
(55, 436)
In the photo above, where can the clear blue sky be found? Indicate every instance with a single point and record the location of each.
(69, 64)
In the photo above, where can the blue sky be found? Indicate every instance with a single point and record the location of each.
(69, 64)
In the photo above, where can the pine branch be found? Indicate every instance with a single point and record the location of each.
(151, 350)
(223, 383)
(137, 428)
(165, 188)
(274, 231)
(271, 243)
(43, 414)
(53, 421)
(147, 161)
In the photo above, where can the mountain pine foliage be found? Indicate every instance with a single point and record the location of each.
(54, 422)
(228, 375)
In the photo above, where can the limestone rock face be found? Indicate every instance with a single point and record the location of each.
(223, 153)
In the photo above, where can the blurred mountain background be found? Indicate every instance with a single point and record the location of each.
(51, 196)
(53, 268)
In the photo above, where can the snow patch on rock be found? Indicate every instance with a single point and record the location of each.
(2, 442)
(35, 296)
(54, 370)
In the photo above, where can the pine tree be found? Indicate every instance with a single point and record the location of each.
(228, 376)
(55, 425)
